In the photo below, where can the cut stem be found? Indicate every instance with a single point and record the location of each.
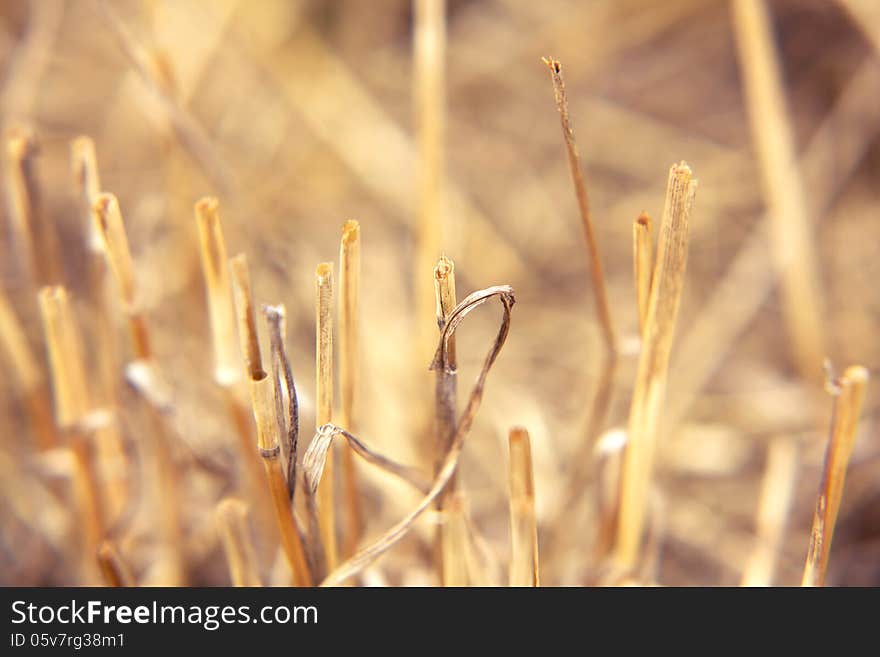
(324, 397)
(523, 525)
(643, 263)
(69, 386)
(225, 348)
(112, 460)
(141, 372)
(652, 373)
(232, 523)
(263, 402)
(109, 225)
(37, 241)
(227, 360)
(349, 374)
(844, 422)
(445, 402)
(580, 189)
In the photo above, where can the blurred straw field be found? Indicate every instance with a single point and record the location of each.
(435, 127)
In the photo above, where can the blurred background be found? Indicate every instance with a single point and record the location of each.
(300, 115)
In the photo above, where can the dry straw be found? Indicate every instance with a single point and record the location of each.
(114, 463)
(523, 525)
(324, 402)
(580, 188)
(262, 398)
(225, 347)
(844, 423)
(69, 385)
(650, 385)
(227, 361)
(349, 374)
(109, 225)
(142, 374)
(37, 241)
(445, 411)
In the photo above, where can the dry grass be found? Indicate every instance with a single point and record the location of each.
(676, 426)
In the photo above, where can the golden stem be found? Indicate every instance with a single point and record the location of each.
(844, 422)
(324, 397)
(652, 373)
(523, 525)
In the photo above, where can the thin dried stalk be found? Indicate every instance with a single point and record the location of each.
(523, 525)
(791, 235)
(227, 361)
(232, 523)
(445, 397)
(112, 460)
(445, 403)
(224, 342)
(113, 568)
(84, 165)
(26, 370)
(264, 415)
(324, 401)
(372, 551)
(142, 375)
(349, 374)
(643, 264)
(580, 189)
(647, 401)
(777, 490)
(109, 225)
(247, 318)
(65, 357)
(70, 387)
(38, 244)
(161, 473)
(844, 422)
(429, 78)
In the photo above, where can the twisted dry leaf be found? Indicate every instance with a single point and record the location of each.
(369, 553)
